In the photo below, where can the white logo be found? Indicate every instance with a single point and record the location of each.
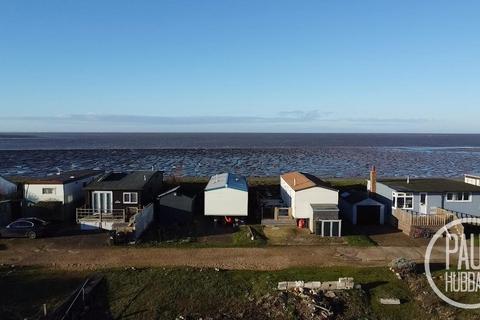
(462, 276)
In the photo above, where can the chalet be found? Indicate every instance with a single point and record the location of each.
(54, 196)
(226, 195)
(427, 195)
(118, 196)
(313, 203)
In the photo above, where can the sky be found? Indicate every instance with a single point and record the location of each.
(240, 66)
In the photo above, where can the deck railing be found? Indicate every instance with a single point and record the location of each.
(105, 215)
(408, 219)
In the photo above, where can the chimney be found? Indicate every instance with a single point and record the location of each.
(373, 180)
(294, 182)
(408, 179)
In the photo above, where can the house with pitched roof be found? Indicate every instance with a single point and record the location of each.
(116, 197)
(55, 196)
(226, 195)
(426, 195)
(312, 202)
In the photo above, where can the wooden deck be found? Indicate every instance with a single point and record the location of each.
(408, 220)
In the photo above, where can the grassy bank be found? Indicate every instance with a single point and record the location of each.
(165, 293)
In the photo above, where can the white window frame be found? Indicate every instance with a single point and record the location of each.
(129, 194)
(53, 189)
(404, 196)
(331, 227)
(455, 197)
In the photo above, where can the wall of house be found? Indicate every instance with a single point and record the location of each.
(117, 199)
(286, 193)
(33, 193)
(73, 191)
(346, 210)
(305, 198)
(226, 202)
(152, 189)
(384, 195)
(469, 207)
(7, 187)
(434, 200)
(173, 207)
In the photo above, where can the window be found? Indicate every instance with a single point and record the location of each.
(130, 197)
(48, 190)
(402, 200)
(21, 225)
(459, 196)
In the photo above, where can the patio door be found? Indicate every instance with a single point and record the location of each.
(423, 204)
(102, 201)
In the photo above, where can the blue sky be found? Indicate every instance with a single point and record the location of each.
(240, 66)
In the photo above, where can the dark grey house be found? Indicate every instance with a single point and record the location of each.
(120, 198)
(123, 190)
(176, 206)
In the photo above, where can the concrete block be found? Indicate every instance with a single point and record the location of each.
(282, 285)
(389, 301)
(313, 285)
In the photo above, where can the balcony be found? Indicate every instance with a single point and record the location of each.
(94, 219)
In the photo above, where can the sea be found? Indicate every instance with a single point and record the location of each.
(251, 154)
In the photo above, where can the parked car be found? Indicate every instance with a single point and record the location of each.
(25, 228)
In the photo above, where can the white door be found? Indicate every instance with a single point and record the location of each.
(423, 203)
(102, 201)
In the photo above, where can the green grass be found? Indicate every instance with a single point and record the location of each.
(359, 240)
(23, 291)
(242, 237)
(164, 293)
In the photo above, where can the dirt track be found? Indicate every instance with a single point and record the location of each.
(90, 252)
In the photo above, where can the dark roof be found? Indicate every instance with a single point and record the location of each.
(134, 180)
(475, 175)
(180, 190)
(439, 185)
(354, 196)
(62, 178)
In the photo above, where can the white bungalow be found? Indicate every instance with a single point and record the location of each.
(312, 202)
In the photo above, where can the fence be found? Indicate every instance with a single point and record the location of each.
(143, 219)
(407, 220)
(93, 214)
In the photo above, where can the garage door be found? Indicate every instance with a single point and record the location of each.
(368, 215)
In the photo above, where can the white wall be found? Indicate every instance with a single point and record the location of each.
(74, 190)
(7, 187)
(226, 202)
(472, 180)
(288, 195)
(316, 195)
(33, 192)
(67, 193)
